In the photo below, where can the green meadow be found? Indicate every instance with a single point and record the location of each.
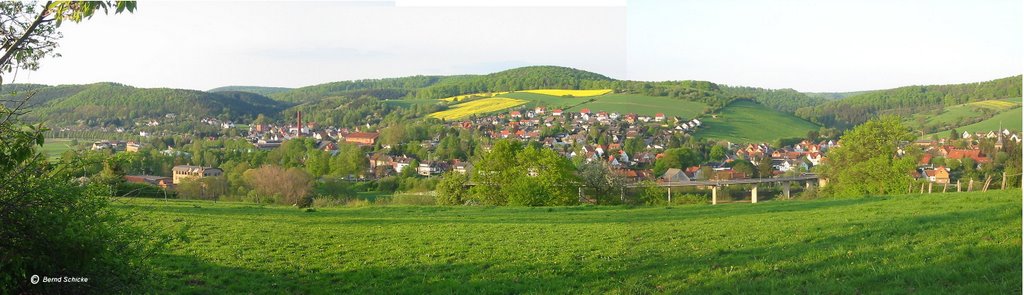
(953, 115)
(54, 147)
(644, 105)
(747, 122)
(927, 244)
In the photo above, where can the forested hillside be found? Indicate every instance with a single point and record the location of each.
(261, 90)
(783, 100)
(111, 103)
(351, 103)
(906, 101)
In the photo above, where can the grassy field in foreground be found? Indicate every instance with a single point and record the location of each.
(937, 243)
(749, 122)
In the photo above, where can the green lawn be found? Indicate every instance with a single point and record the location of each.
(748, 122)
(644, 105)
(926, 244)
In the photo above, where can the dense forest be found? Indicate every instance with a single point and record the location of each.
(783, 100)
(102, 104)
(261, 90)
(905, 101)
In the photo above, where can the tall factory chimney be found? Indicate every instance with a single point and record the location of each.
(298, 122)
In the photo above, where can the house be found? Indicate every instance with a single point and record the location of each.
(183, 172)
(133, 147)
(938, 175)
(431, 168)
(100, 145)
(161, 181)
(363, 138)
(633, 175)
(462, 167)
(674, 175)
(399, 163)
(556, 112)
(539, 110)
(659, 117)
(974, 154)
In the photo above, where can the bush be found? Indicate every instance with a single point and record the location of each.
(808, 194)
(52, 226)
(451, 190)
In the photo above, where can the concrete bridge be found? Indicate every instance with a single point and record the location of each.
(808, 179)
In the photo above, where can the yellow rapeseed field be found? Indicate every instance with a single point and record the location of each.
(563, 92)
(465, 96)
(480, 106)
(995, 104)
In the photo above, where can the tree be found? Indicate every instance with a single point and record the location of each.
(513, 174)
(676, 158)
(451, 190)
(50, 223)
(866, 161)
(764, 167)
(598, 177)
(290, 186)
(717, 153)
(745, 167)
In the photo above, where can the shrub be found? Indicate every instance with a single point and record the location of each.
(451, 190)
(53, 226)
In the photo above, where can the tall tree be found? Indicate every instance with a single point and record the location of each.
(866, 160)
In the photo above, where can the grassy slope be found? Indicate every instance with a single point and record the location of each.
(1010, 119)
(954, 114)
(954, 243)
(644, 105)
(746, 121)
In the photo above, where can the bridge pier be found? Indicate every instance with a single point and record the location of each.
(753, 195)
(714, 195)
(785, 189)
(670, 195)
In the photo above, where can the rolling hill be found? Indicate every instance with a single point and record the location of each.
(103, 103)
(1009, 119)
(261, 90)
(907, 101)
(961, 115)
(643, 105)
(745, 121)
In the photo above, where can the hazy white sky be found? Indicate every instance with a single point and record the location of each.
(801, 44)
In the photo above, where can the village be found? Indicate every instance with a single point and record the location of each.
(572, 135)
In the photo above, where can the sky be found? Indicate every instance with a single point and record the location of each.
(817, 46)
